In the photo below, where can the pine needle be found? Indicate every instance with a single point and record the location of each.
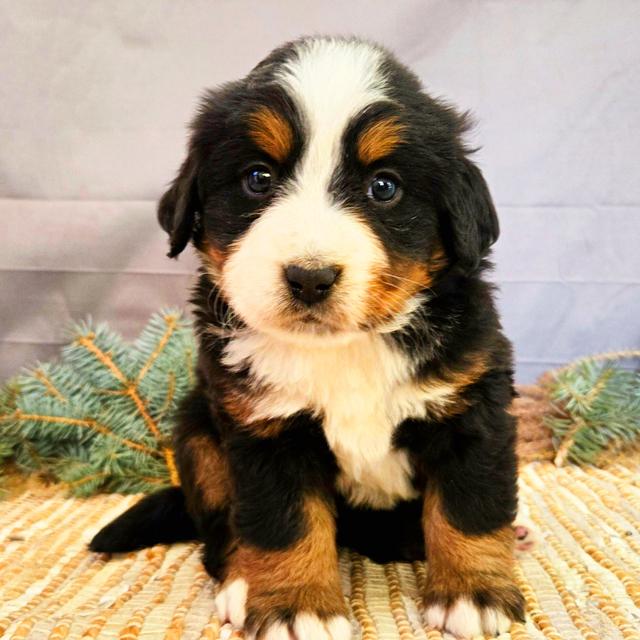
(100, 419)
(596, 410)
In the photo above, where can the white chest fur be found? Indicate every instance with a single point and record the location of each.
(360, 389)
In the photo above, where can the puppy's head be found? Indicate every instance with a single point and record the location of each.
(326, 192)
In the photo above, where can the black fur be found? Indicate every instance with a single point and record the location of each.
(273, 475)
(208, 181)
(160, 518)
(384, 535)
(178, 206)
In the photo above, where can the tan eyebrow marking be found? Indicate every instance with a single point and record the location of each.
(271, 132)
(380, 139)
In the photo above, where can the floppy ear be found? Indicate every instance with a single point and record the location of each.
(470, 216)
(178, 207)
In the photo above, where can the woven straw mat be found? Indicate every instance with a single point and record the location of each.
(582, 581)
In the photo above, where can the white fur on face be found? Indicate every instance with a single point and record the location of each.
(330, 81)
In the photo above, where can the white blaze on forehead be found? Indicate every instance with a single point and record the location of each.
(330, 81)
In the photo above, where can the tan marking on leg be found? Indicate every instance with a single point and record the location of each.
(272, 133)
(380, 139)
(461, 566)
(302, 578)
(210, 471)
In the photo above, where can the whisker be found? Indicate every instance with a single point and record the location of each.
(402, 278)
(399, 287)
(393, 285)
(421, 286)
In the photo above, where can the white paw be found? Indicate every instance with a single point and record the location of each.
(307, 626)
(277, 631)
(231, 602)
(464, 620)
(527, 534)
(231, 605)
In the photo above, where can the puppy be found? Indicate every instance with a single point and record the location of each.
(353, 378)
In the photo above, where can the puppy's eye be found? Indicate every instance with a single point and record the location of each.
(383, 188)
(258, 181)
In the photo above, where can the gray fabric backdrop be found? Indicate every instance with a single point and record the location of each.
(94, 97)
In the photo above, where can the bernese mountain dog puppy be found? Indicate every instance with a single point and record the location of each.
(353, 378)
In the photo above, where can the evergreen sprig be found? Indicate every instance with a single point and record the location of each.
(100, 418)
(596, 412)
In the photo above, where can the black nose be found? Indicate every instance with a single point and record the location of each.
(310, 285)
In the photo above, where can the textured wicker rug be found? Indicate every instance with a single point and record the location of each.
(583, 581)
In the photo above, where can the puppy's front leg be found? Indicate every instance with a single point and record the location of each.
(469, 505)
(282, 578)
(470, 586)
(204, 476)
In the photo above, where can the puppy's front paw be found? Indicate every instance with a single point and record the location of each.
(464, 619)
(231, 602)
(300, 613)
(487, 612)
